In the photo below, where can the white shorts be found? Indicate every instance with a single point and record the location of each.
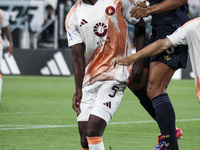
(101, 99)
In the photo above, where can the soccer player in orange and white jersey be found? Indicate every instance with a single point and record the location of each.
(188, 34)
(97, 32)
(4, 27)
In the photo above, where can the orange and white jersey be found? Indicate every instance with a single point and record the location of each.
(189, 34)
(103, 30)
(3, 23)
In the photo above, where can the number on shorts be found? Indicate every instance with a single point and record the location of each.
(114, 88)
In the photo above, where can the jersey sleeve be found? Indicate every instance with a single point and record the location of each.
(179, 36)
(4, 20)
(73, 34)
(138, 1)
(127, 6)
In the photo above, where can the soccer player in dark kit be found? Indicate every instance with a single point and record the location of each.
(167, 16)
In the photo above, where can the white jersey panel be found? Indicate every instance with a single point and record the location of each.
(73, 35)
(189, 34)
(103, 30)
(127, 6)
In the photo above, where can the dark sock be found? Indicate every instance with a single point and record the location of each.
(145, 101)
(165, 118)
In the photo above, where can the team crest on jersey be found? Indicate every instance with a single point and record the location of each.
(100, 29)
(110, 10)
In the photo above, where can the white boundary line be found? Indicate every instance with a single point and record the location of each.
(18, 113)
(24, 127)
(151, 121)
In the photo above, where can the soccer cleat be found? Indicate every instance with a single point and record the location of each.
(179, 133)
(161, 143)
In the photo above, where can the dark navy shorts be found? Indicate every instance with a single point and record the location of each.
(175, 57)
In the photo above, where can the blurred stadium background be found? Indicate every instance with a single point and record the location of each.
(40, 44)
(36, 108)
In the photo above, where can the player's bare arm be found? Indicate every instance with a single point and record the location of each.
(6, 30)
(139, 34)
(79, 70)
(164, 6)
(151, 50)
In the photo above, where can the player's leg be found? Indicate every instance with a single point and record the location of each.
(86, 106)
(159, 77)
(82, 131)
(141, 92)
(106, 103)
(94, 132)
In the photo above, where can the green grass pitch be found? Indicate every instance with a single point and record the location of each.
(36, 114)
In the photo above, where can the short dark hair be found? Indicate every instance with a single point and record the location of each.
(48, 7)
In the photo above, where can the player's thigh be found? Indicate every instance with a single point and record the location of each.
(87, 101)
(95, 126)
(160, 75)
(133, 87)
(108, 99)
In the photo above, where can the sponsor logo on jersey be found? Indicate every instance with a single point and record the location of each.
(100, 29)
(110, 10)
(83, 22)
(101, 43)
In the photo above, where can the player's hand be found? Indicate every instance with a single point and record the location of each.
(137, 72)
(121, 61)
(142, 4)
(77, 101)
(138, 12)
(10, 49)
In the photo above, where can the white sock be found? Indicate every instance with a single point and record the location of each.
(99, 146)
